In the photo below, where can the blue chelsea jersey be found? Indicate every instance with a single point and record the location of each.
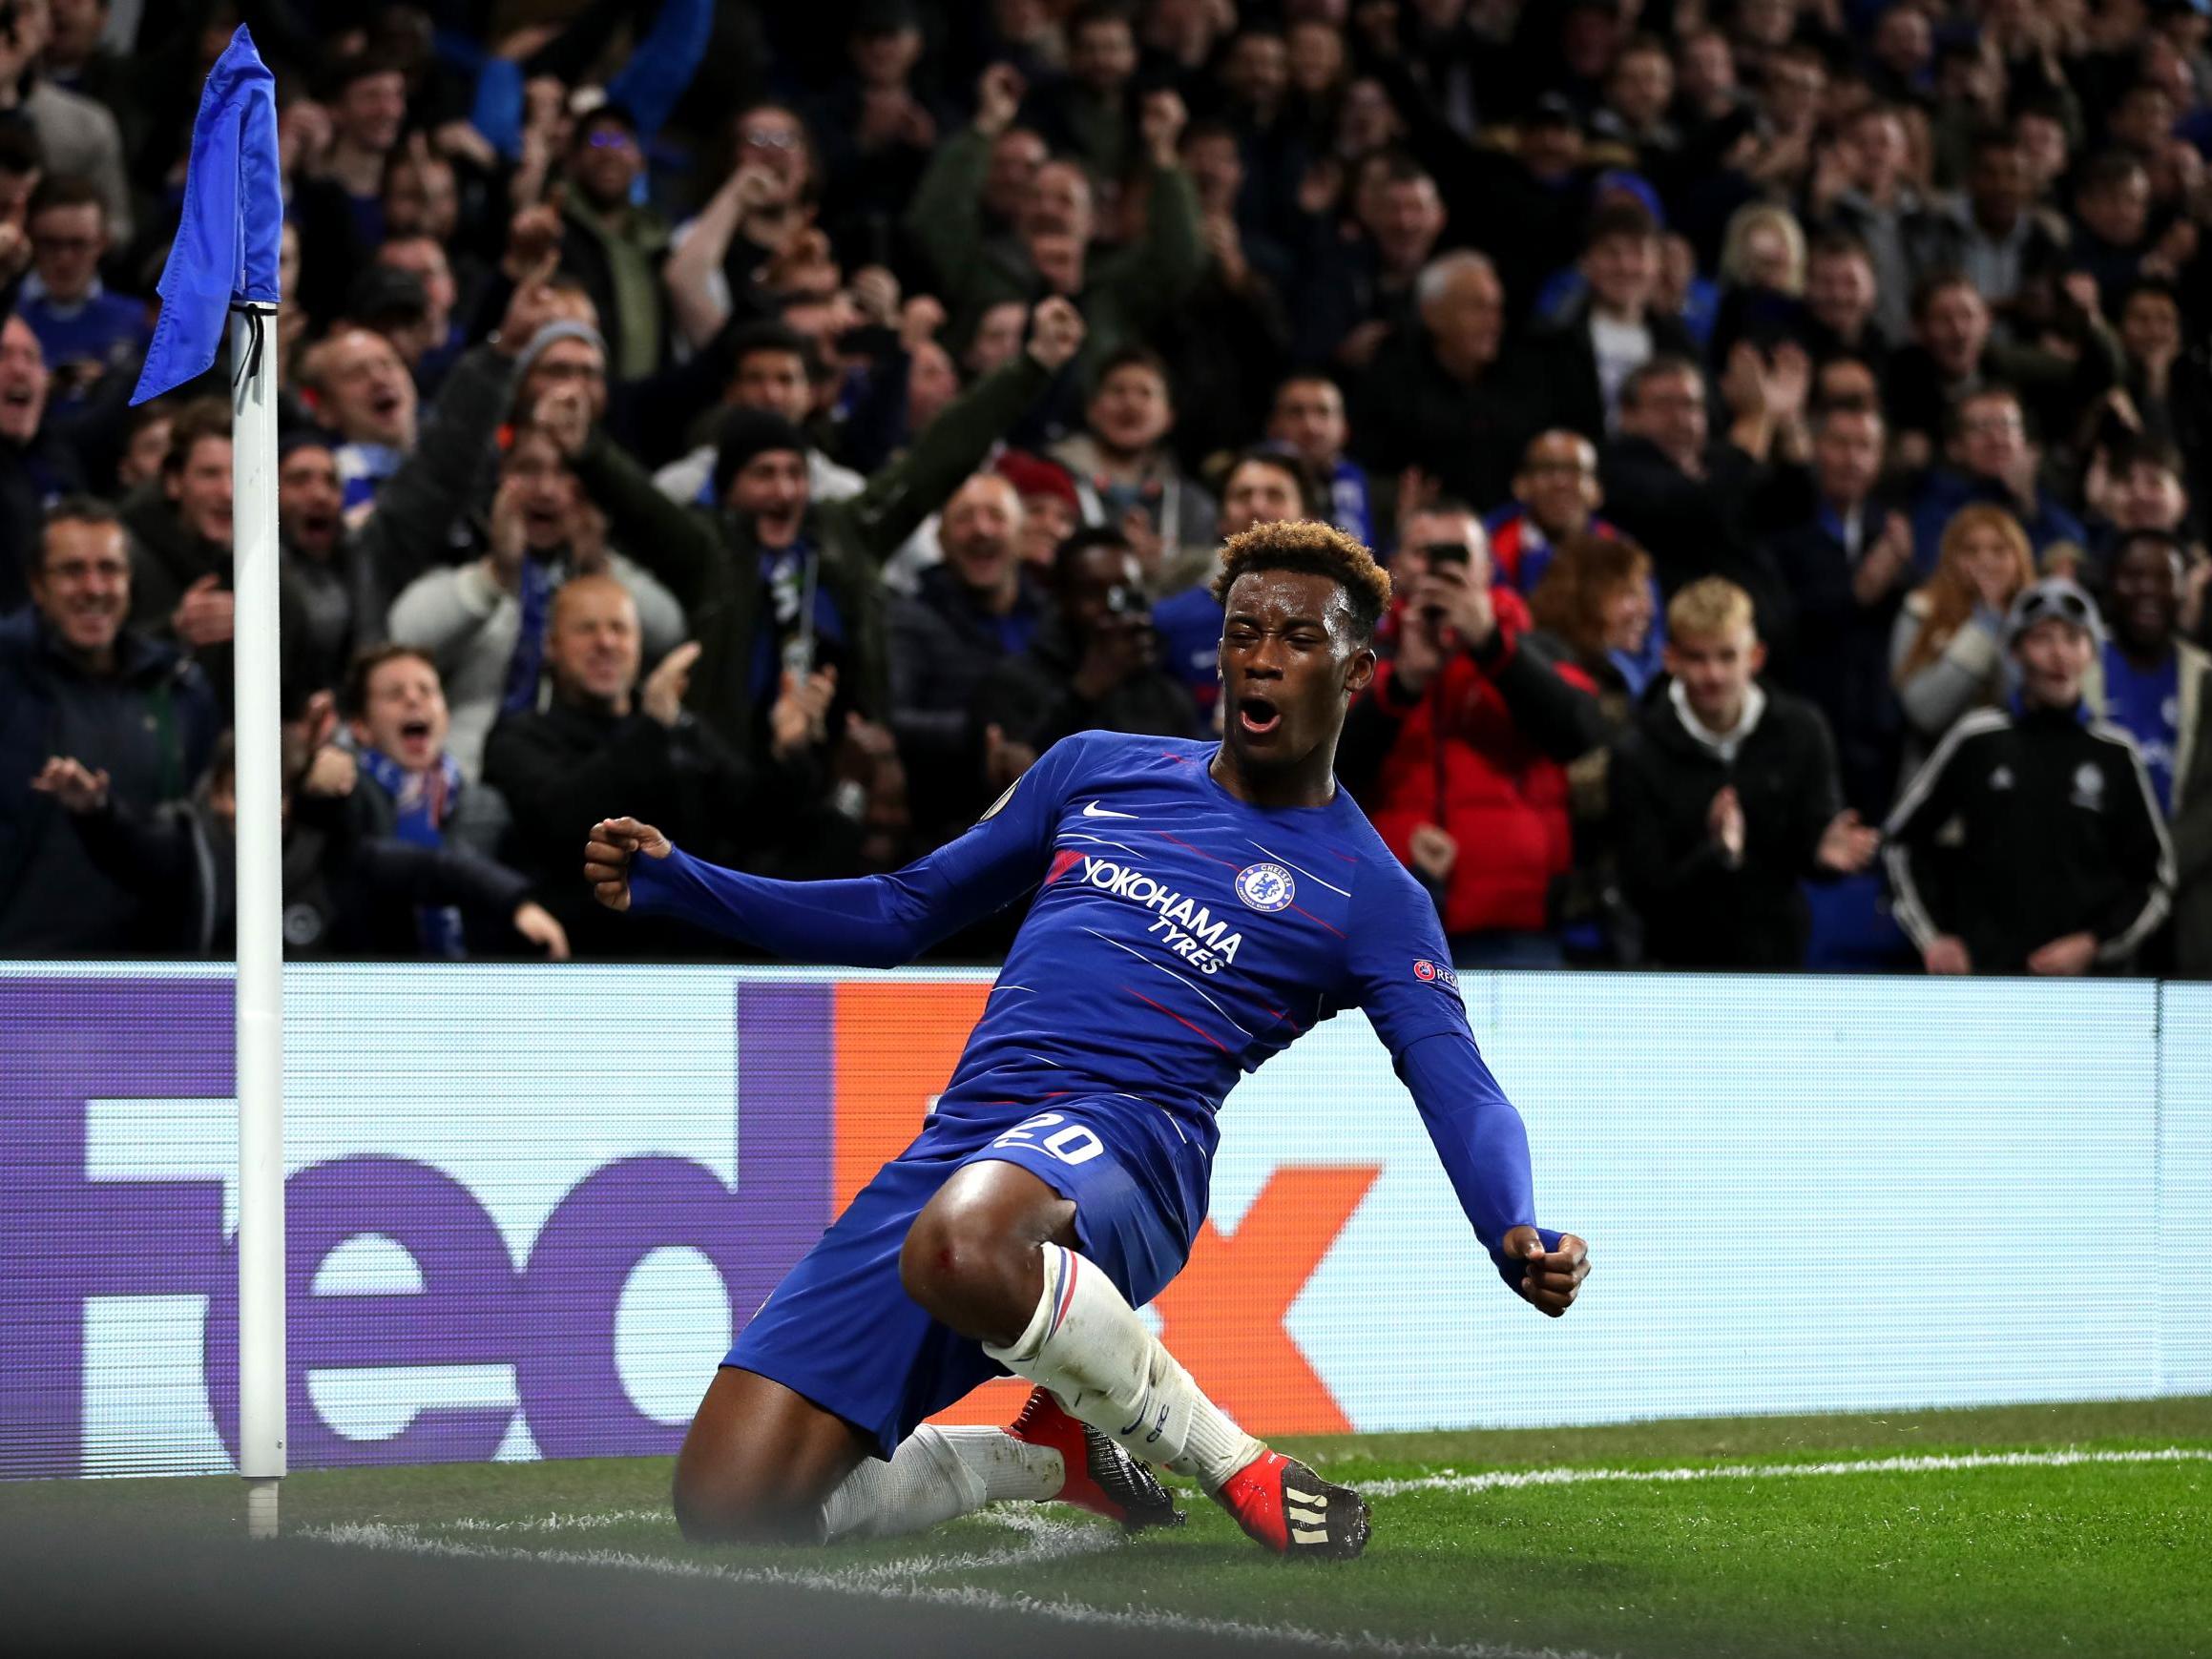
(1181, 935)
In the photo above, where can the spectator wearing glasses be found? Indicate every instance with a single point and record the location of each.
(76, 681)
(614, 245)
(1555, 496)
(83, 329)
(1556, 500)
(2031, 842)
(1993, 462)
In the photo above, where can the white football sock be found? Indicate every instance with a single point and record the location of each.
(935, 1475)
(1087, 1345)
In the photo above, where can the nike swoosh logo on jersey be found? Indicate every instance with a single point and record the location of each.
(1095, 810)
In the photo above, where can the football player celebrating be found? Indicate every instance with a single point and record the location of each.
(1198, 907)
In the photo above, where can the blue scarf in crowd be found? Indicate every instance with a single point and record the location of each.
(423, 801)
(529, 659)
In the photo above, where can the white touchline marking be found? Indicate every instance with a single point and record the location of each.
(902, 1580)
(553, 1523)
(1495, 1480)
(376, 1536)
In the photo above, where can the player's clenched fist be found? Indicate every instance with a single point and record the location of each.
(614, 842)
(1550, 1278)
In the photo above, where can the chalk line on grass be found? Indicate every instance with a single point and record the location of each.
(1050, 1539)
(374, 1535)
(1507, 1479)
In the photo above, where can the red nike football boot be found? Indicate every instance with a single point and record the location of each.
(1100, 1476)
(1284, 1505)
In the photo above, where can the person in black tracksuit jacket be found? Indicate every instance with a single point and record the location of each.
(2031, 842)
(1724, 798)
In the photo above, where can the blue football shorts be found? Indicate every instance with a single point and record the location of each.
(842, 1330)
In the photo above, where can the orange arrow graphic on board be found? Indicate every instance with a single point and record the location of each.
(1223, 1314)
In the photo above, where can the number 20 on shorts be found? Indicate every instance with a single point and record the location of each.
(1070, 1142)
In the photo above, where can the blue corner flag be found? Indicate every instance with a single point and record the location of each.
(234, 219)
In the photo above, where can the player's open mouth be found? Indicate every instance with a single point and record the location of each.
(1257, 716)
(417, 730)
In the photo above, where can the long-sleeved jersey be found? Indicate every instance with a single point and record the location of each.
(1179, 937)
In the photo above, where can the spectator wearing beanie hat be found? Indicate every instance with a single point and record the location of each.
(486, 623)
(1051, 510)
(777, 584)
(2031, 842)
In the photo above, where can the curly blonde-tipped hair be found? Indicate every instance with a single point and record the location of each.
(1302, 544)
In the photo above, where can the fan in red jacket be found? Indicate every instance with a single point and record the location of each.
(1458, 752)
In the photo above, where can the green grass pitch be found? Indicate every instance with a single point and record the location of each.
(2065, 1530)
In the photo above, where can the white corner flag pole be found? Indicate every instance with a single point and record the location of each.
(260, 912)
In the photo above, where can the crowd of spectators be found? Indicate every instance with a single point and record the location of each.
(1787, 424)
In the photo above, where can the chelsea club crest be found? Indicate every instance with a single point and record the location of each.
(1266, 886)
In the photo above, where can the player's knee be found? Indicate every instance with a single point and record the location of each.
(970, 1273)
(717, 1508)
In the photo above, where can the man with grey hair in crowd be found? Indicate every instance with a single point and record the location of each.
(1441, 398)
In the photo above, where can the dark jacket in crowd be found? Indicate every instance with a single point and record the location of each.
(1034, 700)
(1125, 291)
(1697, 912)
(31, 476)
(329, 609)
(421, 511)
(343, 889)
(1842, 656)
(710, 561)
(1469, 437)
(150, 726)
(943, 646)
(1565, 364)
(2024, 828)
(1713, 525)
(166, 559)
(564, 767)
(2192, 932)
(2055, 387)
(619, 266)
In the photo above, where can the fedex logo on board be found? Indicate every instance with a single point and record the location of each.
(829, 1080)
